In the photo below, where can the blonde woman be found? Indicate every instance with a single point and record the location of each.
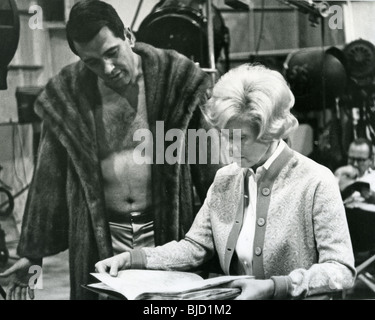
(273, 213)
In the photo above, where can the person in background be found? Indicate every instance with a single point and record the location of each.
(359, 168)
(273, 213)
(88, 193)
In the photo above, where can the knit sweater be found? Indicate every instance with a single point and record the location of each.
(302, 242)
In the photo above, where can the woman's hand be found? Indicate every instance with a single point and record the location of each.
(254, 289)
(114, 264)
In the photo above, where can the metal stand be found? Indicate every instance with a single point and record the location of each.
(4, 253)
(211, 51)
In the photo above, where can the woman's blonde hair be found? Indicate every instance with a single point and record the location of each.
(255, 94)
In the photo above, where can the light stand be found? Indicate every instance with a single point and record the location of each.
(211, 45)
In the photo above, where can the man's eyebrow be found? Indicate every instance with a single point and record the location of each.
(88, 60)
(110, 49)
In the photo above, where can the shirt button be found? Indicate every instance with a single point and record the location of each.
(266, 191)
(261, 222)
(258, 251)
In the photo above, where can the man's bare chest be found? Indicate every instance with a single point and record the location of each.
(118, 119)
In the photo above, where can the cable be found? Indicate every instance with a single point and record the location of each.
(22, 154)
(369, 120)
(136, 14)
(10, 202)
(323, 72)
(226, 49)
(261, 29)
(14, 157)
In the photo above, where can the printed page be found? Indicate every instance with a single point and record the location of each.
(132, 283)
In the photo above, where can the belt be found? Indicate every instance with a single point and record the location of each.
(139, 217)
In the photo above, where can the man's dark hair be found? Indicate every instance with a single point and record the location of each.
(361, 141)
(88, 17)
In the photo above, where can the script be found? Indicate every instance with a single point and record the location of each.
(359, 186)
(164, 285)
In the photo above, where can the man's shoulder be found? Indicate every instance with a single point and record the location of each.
(72, 70)
(59, 94)
(145, 49)
(156, 57)
(72, 79)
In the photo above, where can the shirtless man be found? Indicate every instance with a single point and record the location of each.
(127, 185)
(88, 194)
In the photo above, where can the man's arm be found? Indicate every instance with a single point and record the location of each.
(19, 284)
(45, 221)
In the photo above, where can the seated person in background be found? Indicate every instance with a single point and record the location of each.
(289, 231)
(360, 156)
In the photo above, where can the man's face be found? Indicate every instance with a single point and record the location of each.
(358, 157)
(109, 57)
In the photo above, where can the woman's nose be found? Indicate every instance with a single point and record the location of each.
(235, 147)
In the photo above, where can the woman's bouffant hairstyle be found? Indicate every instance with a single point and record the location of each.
(256, 94)
(88, 17)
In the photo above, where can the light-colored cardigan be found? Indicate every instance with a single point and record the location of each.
(301, 237)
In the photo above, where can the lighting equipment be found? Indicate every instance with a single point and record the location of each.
(182, 26)
(9, 35)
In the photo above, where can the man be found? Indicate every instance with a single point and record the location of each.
(89, 194)
(360, 160)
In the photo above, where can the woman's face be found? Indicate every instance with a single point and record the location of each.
(252, 154)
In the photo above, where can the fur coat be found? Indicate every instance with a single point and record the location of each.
(66, 208)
